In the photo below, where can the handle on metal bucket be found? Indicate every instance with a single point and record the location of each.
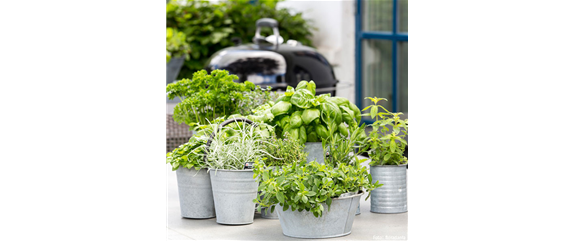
(227, 122)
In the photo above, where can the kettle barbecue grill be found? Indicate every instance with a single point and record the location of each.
(269, 62)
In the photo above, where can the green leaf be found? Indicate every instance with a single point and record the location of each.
(374, 112)
(280, 197)
(285, 207)
(304, 199)
(301, 186)
(329, 201)
(303, 98)
(393, 145)
(311, 193)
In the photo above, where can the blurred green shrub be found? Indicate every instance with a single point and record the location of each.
(209, 27)
(176, 46)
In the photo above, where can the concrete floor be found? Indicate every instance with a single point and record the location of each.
(367, 225)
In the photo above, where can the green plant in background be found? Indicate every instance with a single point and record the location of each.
(209, 27)
(387, 147)
(207, 96)
(284, 151)
(234, 145)
(306, 186)
(256, 100)
(176, 45)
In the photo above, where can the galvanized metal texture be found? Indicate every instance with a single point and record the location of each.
(334, 223)
(266, 213)
(233, 194)
(195, 194)
(315, 150)
(392, 196)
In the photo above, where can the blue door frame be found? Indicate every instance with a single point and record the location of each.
(393, 36)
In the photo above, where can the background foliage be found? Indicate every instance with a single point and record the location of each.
(210, 27)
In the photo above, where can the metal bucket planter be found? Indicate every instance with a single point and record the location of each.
(334, 223)
(392, 196)
(315, 150)
(195, 195)
(233, 194)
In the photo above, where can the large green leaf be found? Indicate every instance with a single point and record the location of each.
(309, 115)
(302, 98)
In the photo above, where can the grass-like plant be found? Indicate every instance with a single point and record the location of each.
(234, 145)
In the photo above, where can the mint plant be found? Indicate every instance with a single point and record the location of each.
(307, 186)
(387, 145)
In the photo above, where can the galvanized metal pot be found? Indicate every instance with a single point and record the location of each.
(195, 195)
(392, 196)
(233, 194)
(315, 150)
(334, 223)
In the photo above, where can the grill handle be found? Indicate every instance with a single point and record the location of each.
(266, 22)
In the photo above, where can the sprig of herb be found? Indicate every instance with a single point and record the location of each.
(387, 147)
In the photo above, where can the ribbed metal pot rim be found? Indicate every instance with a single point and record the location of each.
(225, 170)
(352, 196)
(402, 165)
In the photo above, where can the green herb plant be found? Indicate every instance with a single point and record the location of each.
(207, 96)
(190, 155)
(305, 117)
(234, 145)
(176, 46)
(387, 145)
(252, 100)
(309, 186)
(284, 152)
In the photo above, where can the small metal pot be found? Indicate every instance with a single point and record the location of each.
(195, 195)
(233, 194)
(334, 223)
(392, 196)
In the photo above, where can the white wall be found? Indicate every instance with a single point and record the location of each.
(335, 37)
